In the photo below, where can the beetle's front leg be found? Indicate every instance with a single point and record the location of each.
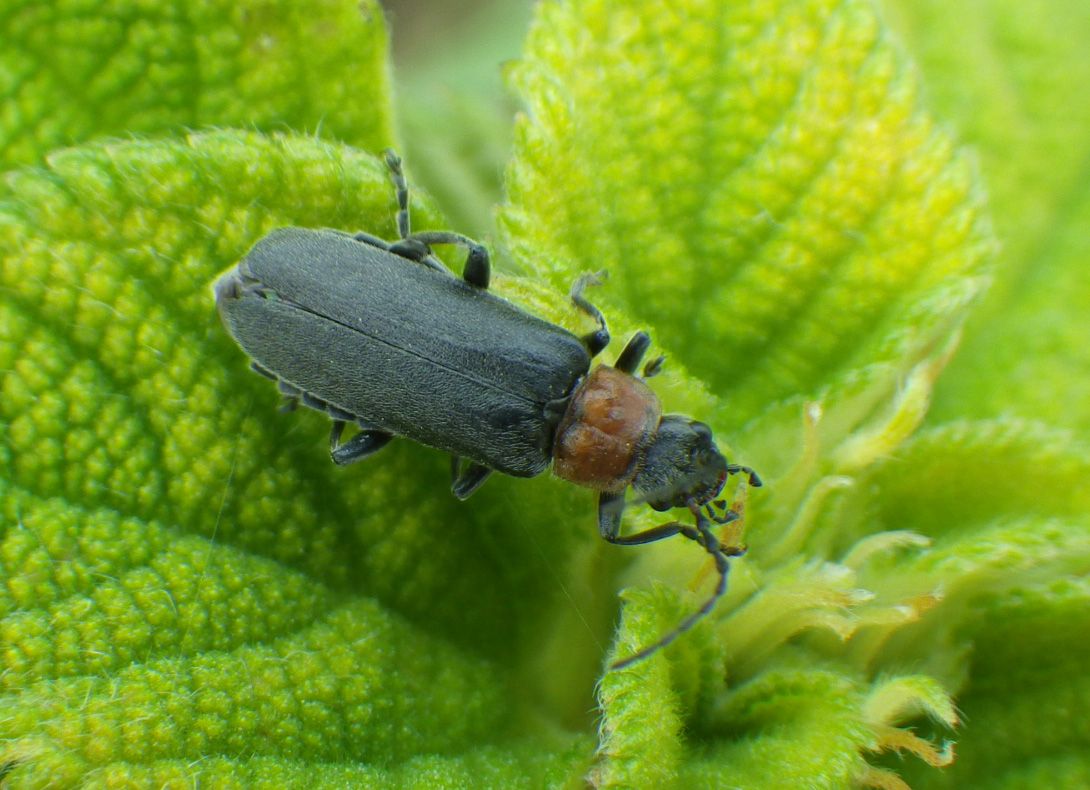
(700, 533)
(754, 478)
(610, 510)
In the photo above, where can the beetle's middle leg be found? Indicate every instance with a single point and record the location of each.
(463, 482)
(363, 444)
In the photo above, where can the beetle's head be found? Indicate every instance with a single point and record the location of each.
(681, 465)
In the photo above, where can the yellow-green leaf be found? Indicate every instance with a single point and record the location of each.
(72, 71)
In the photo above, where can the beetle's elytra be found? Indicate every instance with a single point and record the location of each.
(382, 335)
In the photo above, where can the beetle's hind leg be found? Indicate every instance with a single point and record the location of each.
(374, 241)
(367, 441)
(478, 267)
(417, 246)
(598, 339)
(393, 161)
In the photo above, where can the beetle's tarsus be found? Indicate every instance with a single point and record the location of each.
(393, 161)
(727, 516)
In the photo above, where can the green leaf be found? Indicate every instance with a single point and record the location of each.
(186, 577)
(767, 192)
(1014, 77)
(73, 71)
(760, 183)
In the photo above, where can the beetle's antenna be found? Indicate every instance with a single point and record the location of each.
(702, 534)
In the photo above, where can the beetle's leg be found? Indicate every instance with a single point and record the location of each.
(598, 339)
(374, 241)
(630, 358)
(702, 534)
(463, 482)
(417, 246)
(754, 479)
(363, 444)
(728, 516)
(654, 367)
(650, 535)
(414, 251)
(633, 352)
(610, 509)
(256, 368)
(290, 394)
(478, 267)
(393, 161)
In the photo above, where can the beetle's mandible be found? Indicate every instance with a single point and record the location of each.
(383, 335)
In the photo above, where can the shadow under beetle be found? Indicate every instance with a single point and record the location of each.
(383, 335)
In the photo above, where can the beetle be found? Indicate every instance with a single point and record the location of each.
(383, 335)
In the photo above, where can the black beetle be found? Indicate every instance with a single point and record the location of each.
(383, 335)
